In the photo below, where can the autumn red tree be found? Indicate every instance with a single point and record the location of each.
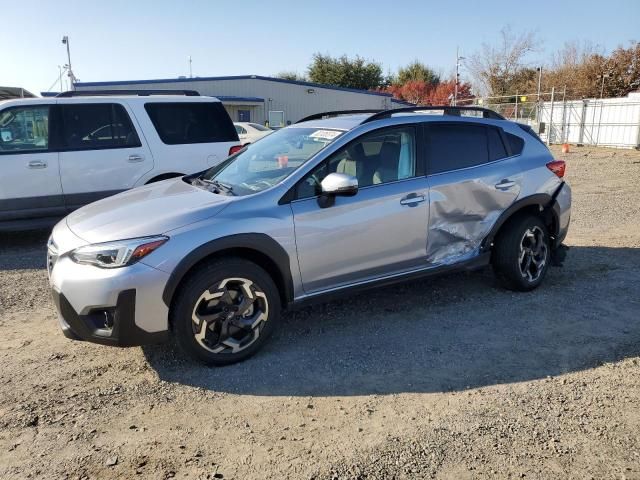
(423, 93)
(414, 91)
(444, 91)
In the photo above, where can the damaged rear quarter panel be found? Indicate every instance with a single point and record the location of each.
(464, 205)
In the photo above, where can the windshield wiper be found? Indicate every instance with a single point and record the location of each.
(221, 187)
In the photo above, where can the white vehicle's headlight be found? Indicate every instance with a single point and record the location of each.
(117, 254)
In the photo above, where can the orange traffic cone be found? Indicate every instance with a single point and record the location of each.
(565, 148)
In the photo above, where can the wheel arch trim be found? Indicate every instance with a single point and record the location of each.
(546, 203)
(259, 243)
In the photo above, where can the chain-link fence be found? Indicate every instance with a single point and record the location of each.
(611, 122)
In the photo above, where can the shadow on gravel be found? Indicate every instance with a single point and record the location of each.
(443, 334)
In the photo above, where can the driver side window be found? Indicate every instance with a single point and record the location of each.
(378, 157)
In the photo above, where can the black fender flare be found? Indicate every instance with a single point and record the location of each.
(260, 243)
(546, 203)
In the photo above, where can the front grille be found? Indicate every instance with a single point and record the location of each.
(52, 254)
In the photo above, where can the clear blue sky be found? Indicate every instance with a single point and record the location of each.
(140, 39)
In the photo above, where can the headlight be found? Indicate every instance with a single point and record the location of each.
(116, 254)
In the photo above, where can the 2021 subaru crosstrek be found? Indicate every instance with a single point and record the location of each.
(333, 204)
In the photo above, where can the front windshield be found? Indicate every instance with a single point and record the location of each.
(266, 163)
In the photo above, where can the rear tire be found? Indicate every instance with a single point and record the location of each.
(225, 311)
(522, 254)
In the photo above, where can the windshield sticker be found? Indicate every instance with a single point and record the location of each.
(325, 134)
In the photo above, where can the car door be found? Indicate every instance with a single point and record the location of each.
(382, 230)
(30, 177)
(101, 153)
(473, 178)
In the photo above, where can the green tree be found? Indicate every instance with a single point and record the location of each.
(346, 72)
(417, 71)
(290, 75)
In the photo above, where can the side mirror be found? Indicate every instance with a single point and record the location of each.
(336, 184)
(339, 184)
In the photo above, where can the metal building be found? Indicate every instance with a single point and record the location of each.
(254, 98)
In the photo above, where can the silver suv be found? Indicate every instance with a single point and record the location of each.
(337, 203)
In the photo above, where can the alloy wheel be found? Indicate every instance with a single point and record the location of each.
(533, 254)
(229, 316)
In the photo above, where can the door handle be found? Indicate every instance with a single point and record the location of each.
(135, 158)
(505, 184)
(37, 164)
(412, 199)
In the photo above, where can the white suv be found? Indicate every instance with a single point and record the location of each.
(60, 153)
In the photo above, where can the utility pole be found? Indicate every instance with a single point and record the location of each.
(455, 90)
(190, 69)
(72, 77)
(539, 81)
(539, 69)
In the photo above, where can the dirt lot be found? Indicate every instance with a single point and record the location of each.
(448, 378)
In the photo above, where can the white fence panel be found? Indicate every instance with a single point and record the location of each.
(611, 122)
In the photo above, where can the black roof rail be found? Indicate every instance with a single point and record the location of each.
(448, 110)
(318, 116)
(140, 93)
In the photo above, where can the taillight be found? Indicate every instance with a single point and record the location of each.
(235, 149)
(557, 167)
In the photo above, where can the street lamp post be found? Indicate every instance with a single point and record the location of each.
(455, 88)
(72, 77)
(539, 69)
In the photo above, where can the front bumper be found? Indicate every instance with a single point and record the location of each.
(119, 306)
(113, 326)
(562, 204)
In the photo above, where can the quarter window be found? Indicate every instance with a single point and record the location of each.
(378, 157)
(496, 146)
(97, 126)
(516, 143)
(24, 129)
(184, 122)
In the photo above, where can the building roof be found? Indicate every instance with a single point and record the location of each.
(232, 98)
(235, 77)
(222, 98)
(7, 93)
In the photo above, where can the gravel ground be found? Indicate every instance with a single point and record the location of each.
(450, 377)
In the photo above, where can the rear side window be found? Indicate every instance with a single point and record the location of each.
(454, 146)
(24, 129)
(183, 123)
(516, 143)
(97, 126)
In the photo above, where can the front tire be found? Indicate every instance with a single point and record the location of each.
(522, 254)
(225, 311)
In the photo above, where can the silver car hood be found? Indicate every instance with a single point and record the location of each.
(149, 210)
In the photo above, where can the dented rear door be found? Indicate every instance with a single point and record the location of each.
(472, 180)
